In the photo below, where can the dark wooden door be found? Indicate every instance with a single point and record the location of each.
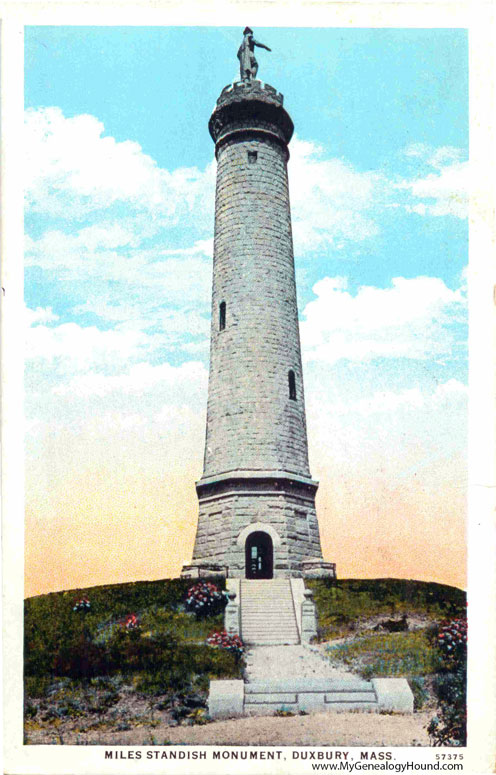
(259, 556)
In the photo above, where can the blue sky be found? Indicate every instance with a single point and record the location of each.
(120, 183)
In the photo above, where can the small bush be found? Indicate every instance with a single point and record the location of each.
(205, 599)
(231, 643)
(452, 641)
(449, 727)
(79, 657)
(419, 690)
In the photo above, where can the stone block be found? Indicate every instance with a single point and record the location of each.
(339, 697)
(204, 571)
(226, 699)
(296, 685)
(271, 699)
(254, 709)
(393, 695)
(317, 569)
(311, 701)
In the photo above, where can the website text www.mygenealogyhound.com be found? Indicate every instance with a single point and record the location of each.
(387, 766)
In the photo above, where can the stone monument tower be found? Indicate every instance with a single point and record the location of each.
(256, 495)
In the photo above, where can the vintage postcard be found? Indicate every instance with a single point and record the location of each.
(248, 382)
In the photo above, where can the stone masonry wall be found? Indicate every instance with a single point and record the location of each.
(223, 518)
(251, 421)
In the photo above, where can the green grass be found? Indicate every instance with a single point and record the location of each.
(396, 654)
(340, 605)
(167, 652)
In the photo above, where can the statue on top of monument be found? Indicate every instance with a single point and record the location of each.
(248, 65)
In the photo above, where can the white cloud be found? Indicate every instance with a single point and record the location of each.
(435, 157)
(408, 320)
(71, 169)
(331, 202)
(74, 348)
(40, 315)
(452, 390)
(139, 380)
(445, 192)
(389, 401)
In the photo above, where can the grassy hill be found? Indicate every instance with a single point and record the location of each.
(86, 668)
(342, 605)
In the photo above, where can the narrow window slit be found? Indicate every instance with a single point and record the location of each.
(252, 157)
(292, 385)
(222, 315)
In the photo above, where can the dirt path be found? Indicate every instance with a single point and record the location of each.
(319, 729)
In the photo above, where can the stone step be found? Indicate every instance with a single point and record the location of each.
(272, 642)
(266, 598)
(288, 628)
(267, 601)
(264, 603)
(286, 602)
(270, 631)
(274, 613)
(293, 633)
(263, 621)
(261, 624)
(320, 684)
(283, 630)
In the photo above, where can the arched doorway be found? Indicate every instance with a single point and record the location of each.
(259, 555)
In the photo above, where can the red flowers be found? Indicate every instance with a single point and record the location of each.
(222, 640)
(130, 622)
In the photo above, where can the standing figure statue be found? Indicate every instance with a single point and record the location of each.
(248, 65)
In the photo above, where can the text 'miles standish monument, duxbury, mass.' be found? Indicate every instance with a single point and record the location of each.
(257, 516)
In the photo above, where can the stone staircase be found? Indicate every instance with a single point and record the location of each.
(267, 613)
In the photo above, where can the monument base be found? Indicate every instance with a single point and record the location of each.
(318, 569)
(204, 571)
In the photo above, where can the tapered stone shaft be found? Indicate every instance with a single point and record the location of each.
(257, 498)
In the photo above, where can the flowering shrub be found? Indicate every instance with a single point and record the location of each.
(232, 643)
(81, 605)
(452, 641)
(449, 726)
(130, 622)
(205, 599)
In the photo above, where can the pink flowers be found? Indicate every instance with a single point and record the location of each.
(205, 599)
(452, 639)
(83, 604)
(223, 640)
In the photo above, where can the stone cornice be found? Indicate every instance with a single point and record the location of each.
(250, 106)
(272, 479)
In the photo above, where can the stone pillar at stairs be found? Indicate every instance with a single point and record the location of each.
(308, 617)
(232, 615)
